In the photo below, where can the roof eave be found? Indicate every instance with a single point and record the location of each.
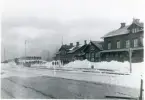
(115, 35)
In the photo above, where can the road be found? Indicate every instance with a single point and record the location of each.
(42, 83)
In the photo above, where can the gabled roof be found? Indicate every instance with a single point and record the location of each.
(123, 30)
(98, 44)
(119, 31)
(139, 24)
(66, 47)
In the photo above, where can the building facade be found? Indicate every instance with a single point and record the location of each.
(92, 51)
(119, 43)
(70, 52)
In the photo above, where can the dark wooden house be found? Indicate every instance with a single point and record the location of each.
(77, 52)
(92, 51)
(118, 43)
(62, 53)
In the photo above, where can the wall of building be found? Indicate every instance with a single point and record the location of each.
(122, 39)
(92, 53)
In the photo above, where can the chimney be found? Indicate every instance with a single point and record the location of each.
(77, 43)
(135, 20)
(85, 41)
(71, 44)
(122, 25)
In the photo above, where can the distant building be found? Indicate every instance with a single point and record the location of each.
(118, 42)
(77, 52)
(30, 60)
(68, 53)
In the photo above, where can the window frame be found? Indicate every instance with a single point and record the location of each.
(109, 46)
(132, 30)
(87, 55)
(92, 54)
(96, 54)
(118, 45)
(127, 44)
(135, 43)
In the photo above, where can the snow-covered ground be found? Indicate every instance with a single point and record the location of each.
(112, 66)
(131, 80)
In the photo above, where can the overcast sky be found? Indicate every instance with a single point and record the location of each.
(44, 22)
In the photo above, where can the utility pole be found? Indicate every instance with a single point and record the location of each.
(130, 54)
(130, 59)
(141, 90)
(62, 40)
(4, 55)
(25, 50)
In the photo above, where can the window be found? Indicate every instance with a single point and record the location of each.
(107, 56)
(127, 44)
(87, 55)
(118, 44)
(92, 55)
(135, 42)
(134, 30)
(109, 45)
(92, 59)
(141, 40)
(137, 29)
(92, 48)
(97, 55)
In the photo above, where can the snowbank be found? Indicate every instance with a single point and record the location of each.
(122, 67)
(130, 80)
(10, 64)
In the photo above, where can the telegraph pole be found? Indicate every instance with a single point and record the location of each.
(62, 40)
(25, 50)
(130, 59)
(4, 55)
(141, 90)
(130, 54)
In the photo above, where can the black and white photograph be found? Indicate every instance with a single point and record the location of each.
(72, 49)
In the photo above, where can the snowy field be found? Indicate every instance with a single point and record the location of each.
(81, 70)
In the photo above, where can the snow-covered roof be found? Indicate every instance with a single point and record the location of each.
(99, 44)
(67, 47)
(72, 48)
(123, 30)
(75, 48)
(119, 31)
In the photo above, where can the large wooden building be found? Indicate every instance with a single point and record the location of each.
(117, 45)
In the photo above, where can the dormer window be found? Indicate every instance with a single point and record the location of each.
(135, 30)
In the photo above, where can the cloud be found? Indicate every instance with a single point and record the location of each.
(45, 34)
